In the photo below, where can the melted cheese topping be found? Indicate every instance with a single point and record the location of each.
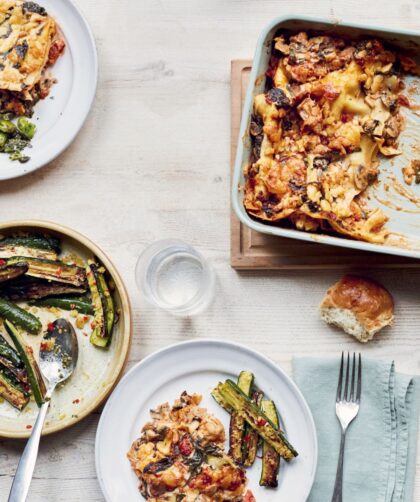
(26, 35)
(317, 132)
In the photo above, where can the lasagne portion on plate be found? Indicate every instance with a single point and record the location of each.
(179, 457)
(29, 43)
(330, 110)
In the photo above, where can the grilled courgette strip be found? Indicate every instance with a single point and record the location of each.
(99, 336)
(11, 390)
(237, 422)
(35, 246)
(10, 360)
(239, 402)
(9, 353)
(9, 272)
(107, 300)
(270, 458)
(52, 270)
(251, 437)
(26, 354)
(19, 316)
(82, 305)
(30, 288)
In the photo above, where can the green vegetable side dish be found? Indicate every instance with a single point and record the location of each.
(19, 316)
(34, 246)
(33, 271)
(28, 129)
(9, 272)
(270, 458)
(103, 306)
(11, 390)
(251, 439)
(82, 305)
(9, 353)
(237, 422)
(26, 354)
(15, 138)
(230, 397)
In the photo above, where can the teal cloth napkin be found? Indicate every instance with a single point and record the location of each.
(380, 456)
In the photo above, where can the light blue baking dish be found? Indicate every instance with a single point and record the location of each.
(404, 215)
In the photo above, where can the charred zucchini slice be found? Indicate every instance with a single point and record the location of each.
(35, 246)
(270, 458)
(237, 422)
(99, 336)
(12, 391)
(52, 270)
(9, 353)
(30, 288)
(251, 437)
(241, 403)
(26, 354)
(82, 305)
(107, 300)
(19, 316)
(10, 360)
(9, 272)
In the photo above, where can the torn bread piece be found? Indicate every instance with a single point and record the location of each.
(358, 305)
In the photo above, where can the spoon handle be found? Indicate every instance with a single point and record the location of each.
(25, 469)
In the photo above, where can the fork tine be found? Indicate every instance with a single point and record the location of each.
(340, 379)
(359, 380)
(346, 388)
(353, 377)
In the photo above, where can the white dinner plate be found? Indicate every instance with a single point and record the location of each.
(60, 116)
(197, 367)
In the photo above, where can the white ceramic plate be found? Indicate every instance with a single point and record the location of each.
(198, 366)
(60, 116)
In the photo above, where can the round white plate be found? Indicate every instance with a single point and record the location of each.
(198, 366)
(60, 116)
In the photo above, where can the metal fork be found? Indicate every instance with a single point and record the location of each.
(346, 407)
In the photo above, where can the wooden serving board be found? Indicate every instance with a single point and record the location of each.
(252, 250)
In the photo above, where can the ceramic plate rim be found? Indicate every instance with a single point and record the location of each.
(125, 312)
(215, 342)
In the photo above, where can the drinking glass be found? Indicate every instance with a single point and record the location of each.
(175, 277)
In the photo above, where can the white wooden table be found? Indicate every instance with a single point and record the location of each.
(153, 161)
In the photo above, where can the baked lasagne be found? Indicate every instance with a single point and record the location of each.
(179, 457)
(29, 43)
(330, 110)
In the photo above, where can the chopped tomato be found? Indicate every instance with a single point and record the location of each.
(346, 117)
(403, 100)
(2, 262)
(261, 422)
(50, 326)
(185, 446)
(249, 497)
(55, 50)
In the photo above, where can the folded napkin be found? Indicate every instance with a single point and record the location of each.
(380, 456)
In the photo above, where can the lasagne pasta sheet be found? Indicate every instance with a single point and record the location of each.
(331, 109)
(29, 43)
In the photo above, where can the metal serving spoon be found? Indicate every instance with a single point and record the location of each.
(57, 360)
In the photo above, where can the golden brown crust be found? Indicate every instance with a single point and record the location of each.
(370, 302)
(331, 107)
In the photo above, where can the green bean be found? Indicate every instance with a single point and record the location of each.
(7, 127)
(27, 128)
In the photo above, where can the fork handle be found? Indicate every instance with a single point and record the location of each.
(338, 487)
